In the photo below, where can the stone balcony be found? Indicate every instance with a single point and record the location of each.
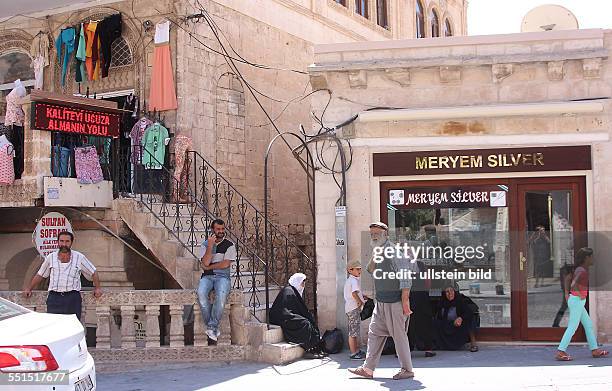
(130, 343)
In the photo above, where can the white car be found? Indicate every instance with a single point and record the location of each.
(37, 349)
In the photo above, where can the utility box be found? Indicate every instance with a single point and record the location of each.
(69, 192)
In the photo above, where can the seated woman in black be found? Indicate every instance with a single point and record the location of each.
(290, 313)
(456, 321)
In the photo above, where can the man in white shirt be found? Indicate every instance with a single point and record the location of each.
(64, 268)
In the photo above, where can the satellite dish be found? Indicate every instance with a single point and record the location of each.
(549, 17)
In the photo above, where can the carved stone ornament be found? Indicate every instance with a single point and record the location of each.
(501, 71)
(399, 75)
(358, 79)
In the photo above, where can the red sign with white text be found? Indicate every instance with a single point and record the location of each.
(75, 120)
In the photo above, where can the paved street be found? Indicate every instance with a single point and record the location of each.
(493, 368)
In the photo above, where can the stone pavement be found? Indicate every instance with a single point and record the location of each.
(498, 368)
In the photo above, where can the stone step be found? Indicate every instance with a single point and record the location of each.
(273, 335)
(281, 353)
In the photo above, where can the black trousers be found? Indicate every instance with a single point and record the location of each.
(421, 321)
(64, 303)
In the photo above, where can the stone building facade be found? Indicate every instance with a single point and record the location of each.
(439, 100)
(215, 107)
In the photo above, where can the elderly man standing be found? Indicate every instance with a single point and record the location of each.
(392, 311)
(64, 268)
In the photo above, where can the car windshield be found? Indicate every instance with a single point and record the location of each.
(9, 309)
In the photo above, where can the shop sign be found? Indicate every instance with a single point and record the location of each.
(67, 119)
(483, 161)
(45, 234)
(486, 196)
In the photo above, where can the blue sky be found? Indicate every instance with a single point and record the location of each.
(505, 16)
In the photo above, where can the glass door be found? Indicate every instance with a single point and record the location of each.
(551, 223)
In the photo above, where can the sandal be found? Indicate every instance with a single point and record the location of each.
(360, 371)
(600, 353)
(562, 356)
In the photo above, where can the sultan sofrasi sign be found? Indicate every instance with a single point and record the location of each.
(45, 234)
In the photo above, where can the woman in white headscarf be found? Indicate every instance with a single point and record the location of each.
(289, 311)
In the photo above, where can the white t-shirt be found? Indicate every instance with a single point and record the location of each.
(65, 277)
(351, 285)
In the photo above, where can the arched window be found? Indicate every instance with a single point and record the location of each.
(448, 29)
(420, 20)
(121, 53)
(435, 23)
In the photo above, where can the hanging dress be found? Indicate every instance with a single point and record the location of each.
(162, 94)
(7, 171)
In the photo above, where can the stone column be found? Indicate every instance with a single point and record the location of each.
(226, 333)
(152, 338)
(238, 316)
(103, 331)
(128, 333)
(199, 335)
(177, 331)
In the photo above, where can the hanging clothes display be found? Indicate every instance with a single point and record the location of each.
(60, 161)
(87, 165)
(40, 47)
(136, 135)
(162, 94)
(17, 140)
(108, 30)
(154, 144)
(7, 172)
(39, 51)
(14, 113)
(81, 56)
(92, 52)
(65, 41)
(180, 185)
(14, 134)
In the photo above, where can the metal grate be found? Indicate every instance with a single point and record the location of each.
(121, 53)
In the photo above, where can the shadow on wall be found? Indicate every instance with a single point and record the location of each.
(21, 267)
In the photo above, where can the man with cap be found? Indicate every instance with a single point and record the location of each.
(392, 282)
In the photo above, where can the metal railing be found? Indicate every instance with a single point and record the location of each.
(186, 205)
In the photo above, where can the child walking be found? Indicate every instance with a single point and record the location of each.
(576, 299)
(353, 302)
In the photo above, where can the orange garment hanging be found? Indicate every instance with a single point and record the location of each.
(162, 93)
(92, 52)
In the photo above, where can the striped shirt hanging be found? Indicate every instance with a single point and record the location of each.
(66, 277)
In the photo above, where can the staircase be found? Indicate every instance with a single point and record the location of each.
(174, 230)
